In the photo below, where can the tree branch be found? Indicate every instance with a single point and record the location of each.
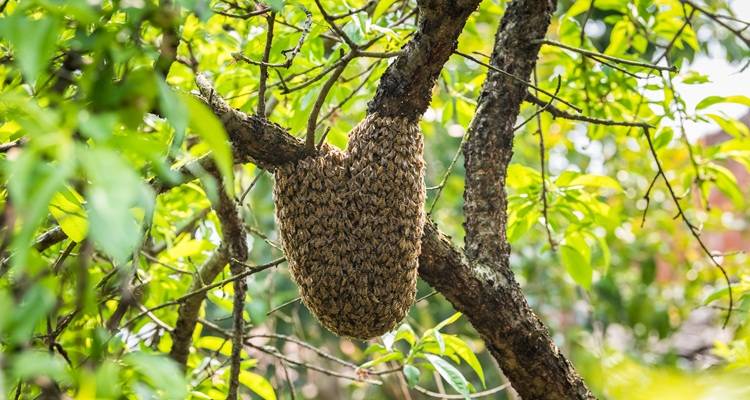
(405, 87)
(497, 307)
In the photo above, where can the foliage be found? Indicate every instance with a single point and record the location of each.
(95, 133)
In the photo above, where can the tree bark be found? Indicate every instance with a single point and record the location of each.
(405, 89)
(497, 308)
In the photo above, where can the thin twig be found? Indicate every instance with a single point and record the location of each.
(290, 54)
(517, 79)
(447, 173)
(204, 289)
(594, 55)
(557, 113)
(543, 167)
(263, 80)
(282, 305)
(312, 120)
(461, 396)
(692, 228)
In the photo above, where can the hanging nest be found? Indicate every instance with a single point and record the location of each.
(351, 224)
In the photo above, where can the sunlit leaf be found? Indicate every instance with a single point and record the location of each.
(204, 123)
(67, 208)
(466, 353)
(258, 384)
(161, 373)
(450, 374)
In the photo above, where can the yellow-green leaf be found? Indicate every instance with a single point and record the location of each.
(258, 384)
(464, 351)
(67, 208)
(206, 125)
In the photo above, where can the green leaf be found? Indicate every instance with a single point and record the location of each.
(394, 356)
(450, 374)
(34, 306)
(35, 363)
(727, 184)
(382, 7)
(33, 40)
(711, 100)
(578, 7)
(618, 40)
(161, 372)
(663, 137)
(213, 343)
(439, 340)
(730, 126)
(98, 126)
(67, 209)
(520, 176)
(464, 351)
(113, 191)
(176, 113)
(577, 265)
(32, 183)
(613, 5)
(412, 375)
(258, 384)
(453, 318)
(276, 5)
(715, 295)
(598, 181)
(695, 78)
(204, 123)
(406, 333)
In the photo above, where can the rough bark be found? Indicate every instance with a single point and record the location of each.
(187, 313)
(489, 147)
(233, 247)
(405, 87)
(497, 307)
(254, 139)
(493, 302)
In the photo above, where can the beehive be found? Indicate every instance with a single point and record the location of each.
(351, 224)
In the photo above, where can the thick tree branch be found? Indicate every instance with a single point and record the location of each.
(490, 145)
(405, 87)
(187, 314)
(497, 307)
(254, 139)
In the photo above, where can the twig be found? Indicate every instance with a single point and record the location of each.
(332, 23)
(247, 15)
(557, 113)
(290, 54)
(692, 228)
(647, 197)
(205, 289)
(261, 111)
(542, 109)
(517, 79)
(312, 120)
(5, 147)
(353, 11)
(284, 304)
(288, 379)
(447, 173)
(275, 353)
(461, 396)
(594, 55)
(308, 346)
(718, 19)
(543, 167)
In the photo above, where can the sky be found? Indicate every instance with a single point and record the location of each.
(726, 80)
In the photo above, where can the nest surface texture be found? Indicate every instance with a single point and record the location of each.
(351, 226)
